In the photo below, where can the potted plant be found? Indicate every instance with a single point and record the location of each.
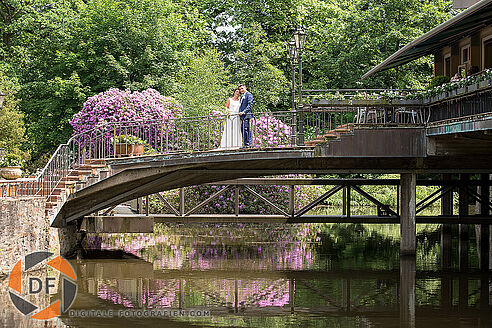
(128, 145)
(10, 166)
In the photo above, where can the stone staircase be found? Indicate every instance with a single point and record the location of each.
(331, 134)
(79, 177)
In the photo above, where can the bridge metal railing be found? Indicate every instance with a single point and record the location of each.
(315, 119)
(162, 136)
(184, 134)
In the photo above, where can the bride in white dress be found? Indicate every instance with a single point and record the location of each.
(231, 136)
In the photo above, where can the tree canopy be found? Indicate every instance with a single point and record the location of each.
(60, 52)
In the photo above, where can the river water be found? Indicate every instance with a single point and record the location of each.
(235, 275)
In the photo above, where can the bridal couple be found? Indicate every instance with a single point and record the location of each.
(239, 109)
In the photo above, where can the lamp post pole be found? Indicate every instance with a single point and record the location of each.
(294, 111)
(293, 56)
(300, 105)
(299, 39)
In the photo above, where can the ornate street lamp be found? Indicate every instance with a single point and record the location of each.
(292, 52)
(300, 38)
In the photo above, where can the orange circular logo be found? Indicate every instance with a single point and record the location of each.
(37, 286)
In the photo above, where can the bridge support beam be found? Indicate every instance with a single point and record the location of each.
(446, 231)
(408, 214)
(446, 247)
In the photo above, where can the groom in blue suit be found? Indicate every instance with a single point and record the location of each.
(245, 114)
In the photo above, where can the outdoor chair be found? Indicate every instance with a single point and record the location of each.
(406, 115)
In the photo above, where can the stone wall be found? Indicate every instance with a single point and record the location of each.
(25, 229)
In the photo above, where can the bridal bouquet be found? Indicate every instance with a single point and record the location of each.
(227, 112)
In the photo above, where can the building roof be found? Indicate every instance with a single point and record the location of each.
(467, 22)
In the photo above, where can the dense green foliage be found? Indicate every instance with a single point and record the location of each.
(11, 120)
(62, 52)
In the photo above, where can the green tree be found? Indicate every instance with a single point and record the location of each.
(64, 51)
(11, 120)
(253, 66)
(48, 107)
(361, 34)
(203, 84)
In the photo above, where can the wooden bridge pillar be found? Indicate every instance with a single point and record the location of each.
(408, 214)
(446, 292)
(446, 231)
(483, 243)
(407, 292)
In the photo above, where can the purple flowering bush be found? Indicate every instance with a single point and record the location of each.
(116, 105)
(116, 112)
(269, 131)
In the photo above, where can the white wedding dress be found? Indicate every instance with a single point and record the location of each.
(231, 136)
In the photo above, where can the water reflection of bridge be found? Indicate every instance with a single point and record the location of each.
(342, 292)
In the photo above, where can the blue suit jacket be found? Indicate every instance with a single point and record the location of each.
(247, 105)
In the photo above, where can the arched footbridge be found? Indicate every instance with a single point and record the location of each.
(94, 171)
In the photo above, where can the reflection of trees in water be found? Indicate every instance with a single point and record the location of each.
(218, 246)
(355, 243)
(375, 245)
(255, 246)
